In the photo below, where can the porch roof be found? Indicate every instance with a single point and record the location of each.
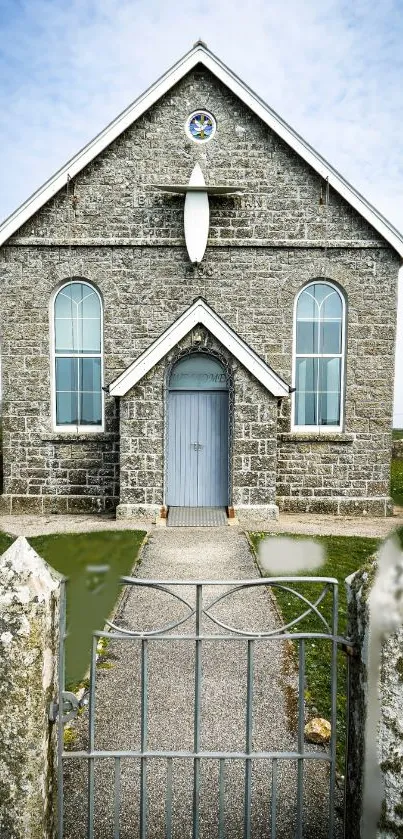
(200, 313)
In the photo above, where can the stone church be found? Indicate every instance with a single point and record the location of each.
(198, 312)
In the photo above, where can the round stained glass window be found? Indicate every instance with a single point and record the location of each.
(201, 126)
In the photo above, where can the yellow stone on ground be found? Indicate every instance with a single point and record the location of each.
(318, 730)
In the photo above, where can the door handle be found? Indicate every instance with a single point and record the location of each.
(197, 446)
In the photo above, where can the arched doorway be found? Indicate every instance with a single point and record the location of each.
(197, 456)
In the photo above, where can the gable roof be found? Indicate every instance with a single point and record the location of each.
(199, 312)
(200, 54)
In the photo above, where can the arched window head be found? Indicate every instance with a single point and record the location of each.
(78, 356)
(319, 356)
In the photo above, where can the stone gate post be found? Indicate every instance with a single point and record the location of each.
(29, 607)
(374, 783)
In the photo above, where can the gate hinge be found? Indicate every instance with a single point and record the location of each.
(70, 707)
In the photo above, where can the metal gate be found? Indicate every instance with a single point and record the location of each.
(200, 619)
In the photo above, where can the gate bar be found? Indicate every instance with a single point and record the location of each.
(333, 715)
(91, 744)
(274, 798)
(60, 723)
(283, 636)
(143, 738)
(301, 745)
(247, 583)
(248, 744)
(116, 813)
(320, 756)
(197, 713)
(168, 801)
(221, 805)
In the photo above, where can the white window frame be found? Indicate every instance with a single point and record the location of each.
(77, 429)
(319, 429)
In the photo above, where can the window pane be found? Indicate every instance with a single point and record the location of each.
(78, 336)
(330, 337)
(77, 292)
(90, 404)
(305, 409)
(66, 374)
(63, 305)
(320, 292)
(66, 335)
(90, 374)
(90, 307)
(319, 331)
(307, 336)
(329, 374)
(329, 408)
(307, 307)
(89, 335)
(66, 408)
(66, 391)
(77, 319)
(306, 378)
(332, 306)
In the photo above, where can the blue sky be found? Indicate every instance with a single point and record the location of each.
(332, 68)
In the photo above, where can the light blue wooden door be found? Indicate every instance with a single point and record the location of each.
(182, 449)
(212, 464)
(197, 449)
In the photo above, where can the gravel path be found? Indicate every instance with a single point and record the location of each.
(308, 523)
(219, 553)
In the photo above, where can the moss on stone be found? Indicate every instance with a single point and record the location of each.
(393, 764)
(364, 579)
(69, 738)
(399, 668)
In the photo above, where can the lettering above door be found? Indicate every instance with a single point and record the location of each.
(198, 372)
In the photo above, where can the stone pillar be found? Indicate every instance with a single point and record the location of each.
(374, 789)
(29, 608)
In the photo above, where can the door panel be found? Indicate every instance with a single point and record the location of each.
(212, 469)
(197, 449)
(182, 456)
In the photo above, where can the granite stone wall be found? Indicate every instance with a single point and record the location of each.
(119, 233)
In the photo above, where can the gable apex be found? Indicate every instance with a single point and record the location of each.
(200, 54)
(199, 313)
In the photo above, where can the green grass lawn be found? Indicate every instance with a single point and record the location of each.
(344, 555)
(91, 594)
(5, 541)
(396, 481)
(396, 472)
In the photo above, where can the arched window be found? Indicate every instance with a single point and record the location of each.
(78, 356)
(319, 356)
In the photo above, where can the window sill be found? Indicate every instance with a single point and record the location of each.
(315, 437)
(78, 437)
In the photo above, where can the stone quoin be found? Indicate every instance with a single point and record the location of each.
(290, 310)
